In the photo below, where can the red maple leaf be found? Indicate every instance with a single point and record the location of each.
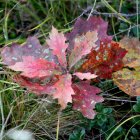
(58, 45)
(85, 98)
(105, 60)
(82, 46)
(32, 47)
(35, 68)
(64, 91)
(47, 69)
(82, 26)
(36, 87)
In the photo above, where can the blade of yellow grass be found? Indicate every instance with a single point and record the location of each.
(113, 10)
(41, 24)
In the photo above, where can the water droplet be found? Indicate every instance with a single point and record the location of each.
(97, 57)
(50, 71)
(46, 51)
(83, 106)
(37, 51)
(92, 102)
(14, 58)
(109, 45)
(30, 46)
(96, 49)
(46, 57)
(63, 50)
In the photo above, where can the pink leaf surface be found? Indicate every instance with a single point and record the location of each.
(85, 98)
(32, 47)
(32, 68)
(82, 46)
(82, 26)
(87, 75)
(58, 45)
(36, 88)
(64, 90)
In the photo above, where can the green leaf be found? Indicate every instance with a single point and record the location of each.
(107, 110)
(136, 107)
(77, 134)
(100, 123)
(99, 107)
(104, 118)
(134, 131)
(138, 99)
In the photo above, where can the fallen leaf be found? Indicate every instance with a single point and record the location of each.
(83, 76)
(35, 87)
(35, 68)
(82, 46)
(85, 98)
(32, 47)
(64, 90)
(82, 26)
(132, 45)
(104, 61)
(57, 43)
(128, 81)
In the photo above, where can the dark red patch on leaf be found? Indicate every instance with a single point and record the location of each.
(85, 98)
(106, 60)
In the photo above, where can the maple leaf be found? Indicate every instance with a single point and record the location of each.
(105, 60)
(58, 45)
(32, 68)
(32, 47)
(85, 98)
(132, 58)
(82, 46)
(44, 70)
(34, 87)
(64, 90)
(87, 75)
(82, 26)
(128, 79)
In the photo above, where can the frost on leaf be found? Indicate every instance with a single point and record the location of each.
(82, 26)
(58, 46)
(128, 79)
(83, 76)
(82, 46)
(35, 68)
(64, 90)
(32, 47)
(104, 61)
(85, 98)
